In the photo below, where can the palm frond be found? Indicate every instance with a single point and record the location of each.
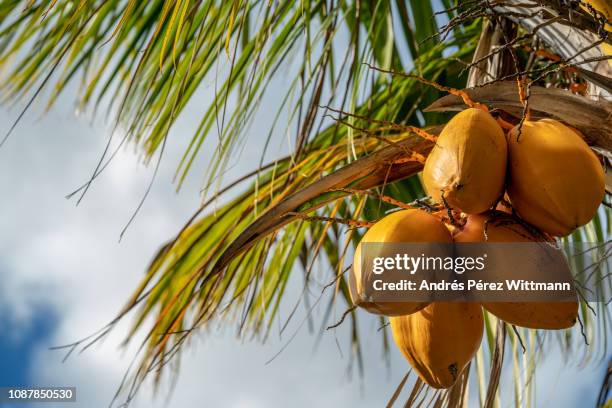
(232, 265)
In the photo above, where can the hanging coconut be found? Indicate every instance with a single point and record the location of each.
(503, 228)
(556, 182)
(440, 340)
(467, 166)
(406, 226)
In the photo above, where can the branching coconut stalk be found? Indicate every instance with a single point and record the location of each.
(383, 198)
(316, 218)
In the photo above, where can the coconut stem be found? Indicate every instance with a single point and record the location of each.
(523, 96)
(414, 156)
(449, 210)
(422, 133)
(453, 91)
(349, 222)
(381, 197)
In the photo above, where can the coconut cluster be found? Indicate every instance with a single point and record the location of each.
(554, 183)
(553, 179)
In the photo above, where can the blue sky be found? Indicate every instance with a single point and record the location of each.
(16, 351)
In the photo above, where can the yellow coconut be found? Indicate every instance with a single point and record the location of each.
(556, 181)
(440, 340)
(406, 226)
(504, 228)
(468, 163)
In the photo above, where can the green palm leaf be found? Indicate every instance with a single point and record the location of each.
(232, 265)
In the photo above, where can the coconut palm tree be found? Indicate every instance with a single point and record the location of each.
(351, 109)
